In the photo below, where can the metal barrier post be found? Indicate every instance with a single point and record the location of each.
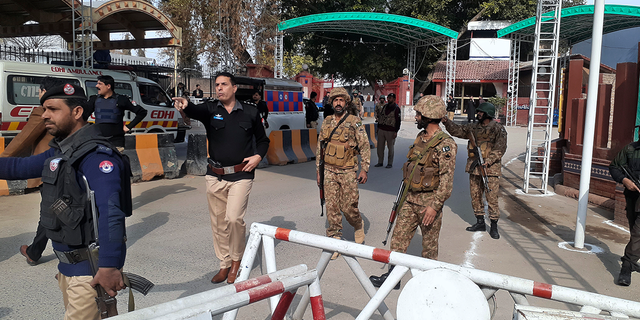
(384, 290)
(367, 285)
(270, 259)
(325, 257)
(249, 256)
(317, 306)
(283, 305)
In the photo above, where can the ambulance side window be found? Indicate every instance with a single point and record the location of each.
(24, 90)
(121, 88)
(153, 95)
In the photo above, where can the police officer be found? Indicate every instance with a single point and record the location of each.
(344, 139)
(109, 110)
(79, 151)
(428, 181)
(491, 138)
(629, 158)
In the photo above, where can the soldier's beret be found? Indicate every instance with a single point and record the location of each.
(64, 91)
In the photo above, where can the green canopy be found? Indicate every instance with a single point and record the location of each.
(576, 23)
(402, 30)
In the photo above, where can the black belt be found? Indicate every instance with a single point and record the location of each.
(72, 257)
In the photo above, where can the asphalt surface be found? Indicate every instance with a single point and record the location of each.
(170, 243)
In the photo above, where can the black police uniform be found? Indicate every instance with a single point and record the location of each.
(629, 157)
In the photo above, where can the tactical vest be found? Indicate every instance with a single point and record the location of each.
(484, 138)
(107, 111)
(340, 151)
(65, 211)
(421, 172)
(387, 119)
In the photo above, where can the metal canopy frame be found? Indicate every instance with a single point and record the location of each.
(577, 23)
(406, 31)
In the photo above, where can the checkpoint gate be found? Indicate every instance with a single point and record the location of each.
(591, 303)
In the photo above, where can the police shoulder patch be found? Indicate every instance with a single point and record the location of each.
(106, 166)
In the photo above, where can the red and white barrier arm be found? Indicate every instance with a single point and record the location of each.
(485, 278)
(207, 296)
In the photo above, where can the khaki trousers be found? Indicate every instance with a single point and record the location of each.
(227, 207)
(385, 137)
(79, 297)
(450, 114)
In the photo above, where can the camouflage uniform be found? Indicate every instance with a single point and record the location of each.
(340, 184)
(492, 140)
(378, 110)
(443, 159)
(357, 107)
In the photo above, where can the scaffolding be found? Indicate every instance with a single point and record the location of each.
(542, 99)
(82, 20)
(514, 79)
(450, 77)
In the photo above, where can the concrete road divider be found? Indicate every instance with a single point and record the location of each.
(10, 187)
(372, 129)
(152, 155)
(292, 146)
(197, 153)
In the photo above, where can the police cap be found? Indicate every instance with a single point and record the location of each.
(391, 95)
(64, 91)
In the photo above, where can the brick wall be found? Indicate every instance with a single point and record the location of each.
(620, 213)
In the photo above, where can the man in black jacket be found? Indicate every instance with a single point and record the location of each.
(311, 111)
(109, 110)
(231, 128)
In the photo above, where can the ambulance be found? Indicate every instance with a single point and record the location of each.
(20, 85)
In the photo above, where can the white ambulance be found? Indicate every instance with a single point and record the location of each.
(20, 84)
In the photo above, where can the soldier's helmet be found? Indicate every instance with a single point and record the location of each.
(488, 108)
(354, 91)
(339, 92)
(431, 107)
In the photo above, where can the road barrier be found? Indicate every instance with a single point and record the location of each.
(152, 155)
(489, 282)
(10, 187)
(292, 146)
(206, 304)
(372, 130)
(197, 153)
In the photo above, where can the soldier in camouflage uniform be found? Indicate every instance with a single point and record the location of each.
(492, 140)
(428, 181)
(341, 164)
(358, 108)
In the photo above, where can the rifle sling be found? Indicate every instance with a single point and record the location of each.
(432, 142)
(132, 305)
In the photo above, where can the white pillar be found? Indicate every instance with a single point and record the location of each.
(589, 123)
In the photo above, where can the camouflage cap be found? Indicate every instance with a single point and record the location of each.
(431, 107)
(339, 92)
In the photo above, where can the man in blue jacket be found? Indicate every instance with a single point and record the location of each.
(78, 151)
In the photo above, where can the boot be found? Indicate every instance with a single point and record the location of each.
(336, 254)
(377, 281)
(359, 235)
(624, 279)
(233, 272)
(493, 232)
(479, 226)
(220, 276)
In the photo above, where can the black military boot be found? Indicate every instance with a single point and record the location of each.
(493, 232)
(377, 281)
(479, 226)
(624, 279)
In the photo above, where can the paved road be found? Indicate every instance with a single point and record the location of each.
(170, 239)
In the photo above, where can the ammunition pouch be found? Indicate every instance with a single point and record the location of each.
(340, 154)
(426, 176)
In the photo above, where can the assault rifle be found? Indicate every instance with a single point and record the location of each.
(479, 162)
(394, 210)
(636, 182)
(107, 305)
(323, 146)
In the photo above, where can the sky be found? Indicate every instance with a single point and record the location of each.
(617, 47)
